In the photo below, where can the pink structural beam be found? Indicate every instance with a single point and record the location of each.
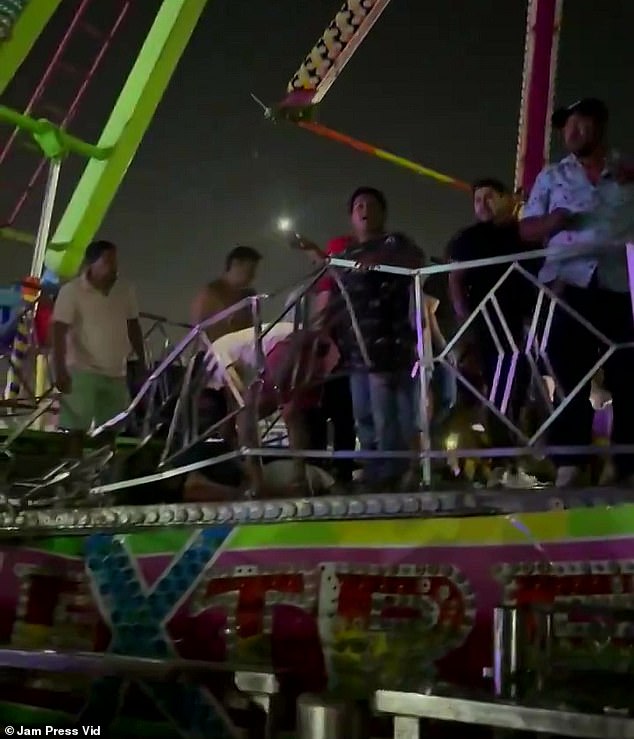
(538, 88)
(76, 81)
(69, 115)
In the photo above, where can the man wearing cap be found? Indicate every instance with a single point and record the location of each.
(587, 200)
(95, 324)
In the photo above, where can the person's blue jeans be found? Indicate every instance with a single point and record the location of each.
(362, 410)
(385, 411)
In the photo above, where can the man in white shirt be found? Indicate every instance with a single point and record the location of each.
(587, 199)
(95, 324)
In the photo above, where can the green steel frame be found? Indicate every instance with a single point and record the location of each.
(123, 132)
(131, 116)
(25, 33)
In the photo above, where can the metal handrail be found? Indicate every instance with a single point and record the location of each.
(409, 708)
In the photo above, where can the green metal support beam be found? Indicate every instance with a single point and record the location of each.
(123, 132)
(24, 34)
(20, 237)
(52, 140)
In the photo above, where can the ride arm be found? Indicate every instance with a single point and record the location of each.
(334, 49)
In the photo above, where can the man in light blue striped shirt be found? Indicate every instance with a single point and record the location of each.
(587, 199)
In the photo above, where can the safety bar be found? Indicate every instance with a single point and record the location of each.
(554, 252)
(409, 708)
(259, 686)
(99, 664)
(176, 352)
(424, 357)
(164, 320)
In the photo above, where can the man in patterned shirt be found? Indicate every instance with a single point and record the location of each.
(382, 306)
(587, 200)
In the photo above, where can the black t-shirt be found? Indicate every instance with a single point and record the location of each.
(382, 306)
(482, 241)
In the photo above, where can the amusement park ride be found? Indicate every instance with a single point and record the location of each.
(209, 617)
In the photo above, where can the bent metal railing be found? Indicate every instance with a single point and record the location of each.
(175, 414)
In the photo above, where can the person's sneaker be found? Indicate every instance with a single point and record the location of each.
(569, 476)
(519, 480)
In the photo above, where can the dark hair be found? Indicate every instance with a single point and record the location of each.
(96, 250)
(242, 254)
(371, 192)
(497, 185)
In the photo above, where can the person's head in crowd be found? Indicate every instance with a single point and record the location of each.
(492, 200)
(583, 125)
(368, 211)
(101, 264)
(241, 266)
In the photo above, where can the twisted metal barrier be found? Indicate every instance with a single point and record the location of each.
(169, 411)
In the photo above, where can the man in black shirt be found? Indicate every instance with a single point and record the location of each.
(495, 234)
(381, 371)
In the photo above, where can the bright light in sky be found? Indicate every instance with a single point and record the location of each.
(284, 224)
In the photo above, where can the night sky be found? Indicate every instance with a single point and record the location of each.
(436, 81)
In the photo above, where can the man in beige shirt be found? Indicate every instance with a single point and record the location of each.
(95, 324)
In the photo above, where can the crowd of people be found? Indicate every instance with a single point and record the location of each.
(356, 338)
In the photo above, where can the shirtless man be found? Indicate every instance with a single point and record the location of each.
(234, 285)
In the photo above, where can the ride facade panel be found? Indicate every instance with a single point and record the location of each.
(327, 604)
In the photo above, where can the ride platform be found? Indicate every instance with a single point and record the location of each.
(335, 591)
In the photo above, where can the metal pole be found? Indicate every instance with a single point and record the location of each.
(629, 251)
(506, 646)
(258, 333)
(422, 352)
(543, 647)
(538, 87)
(44, 227)
(23, 338)
(37, 268)
(326, 717)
